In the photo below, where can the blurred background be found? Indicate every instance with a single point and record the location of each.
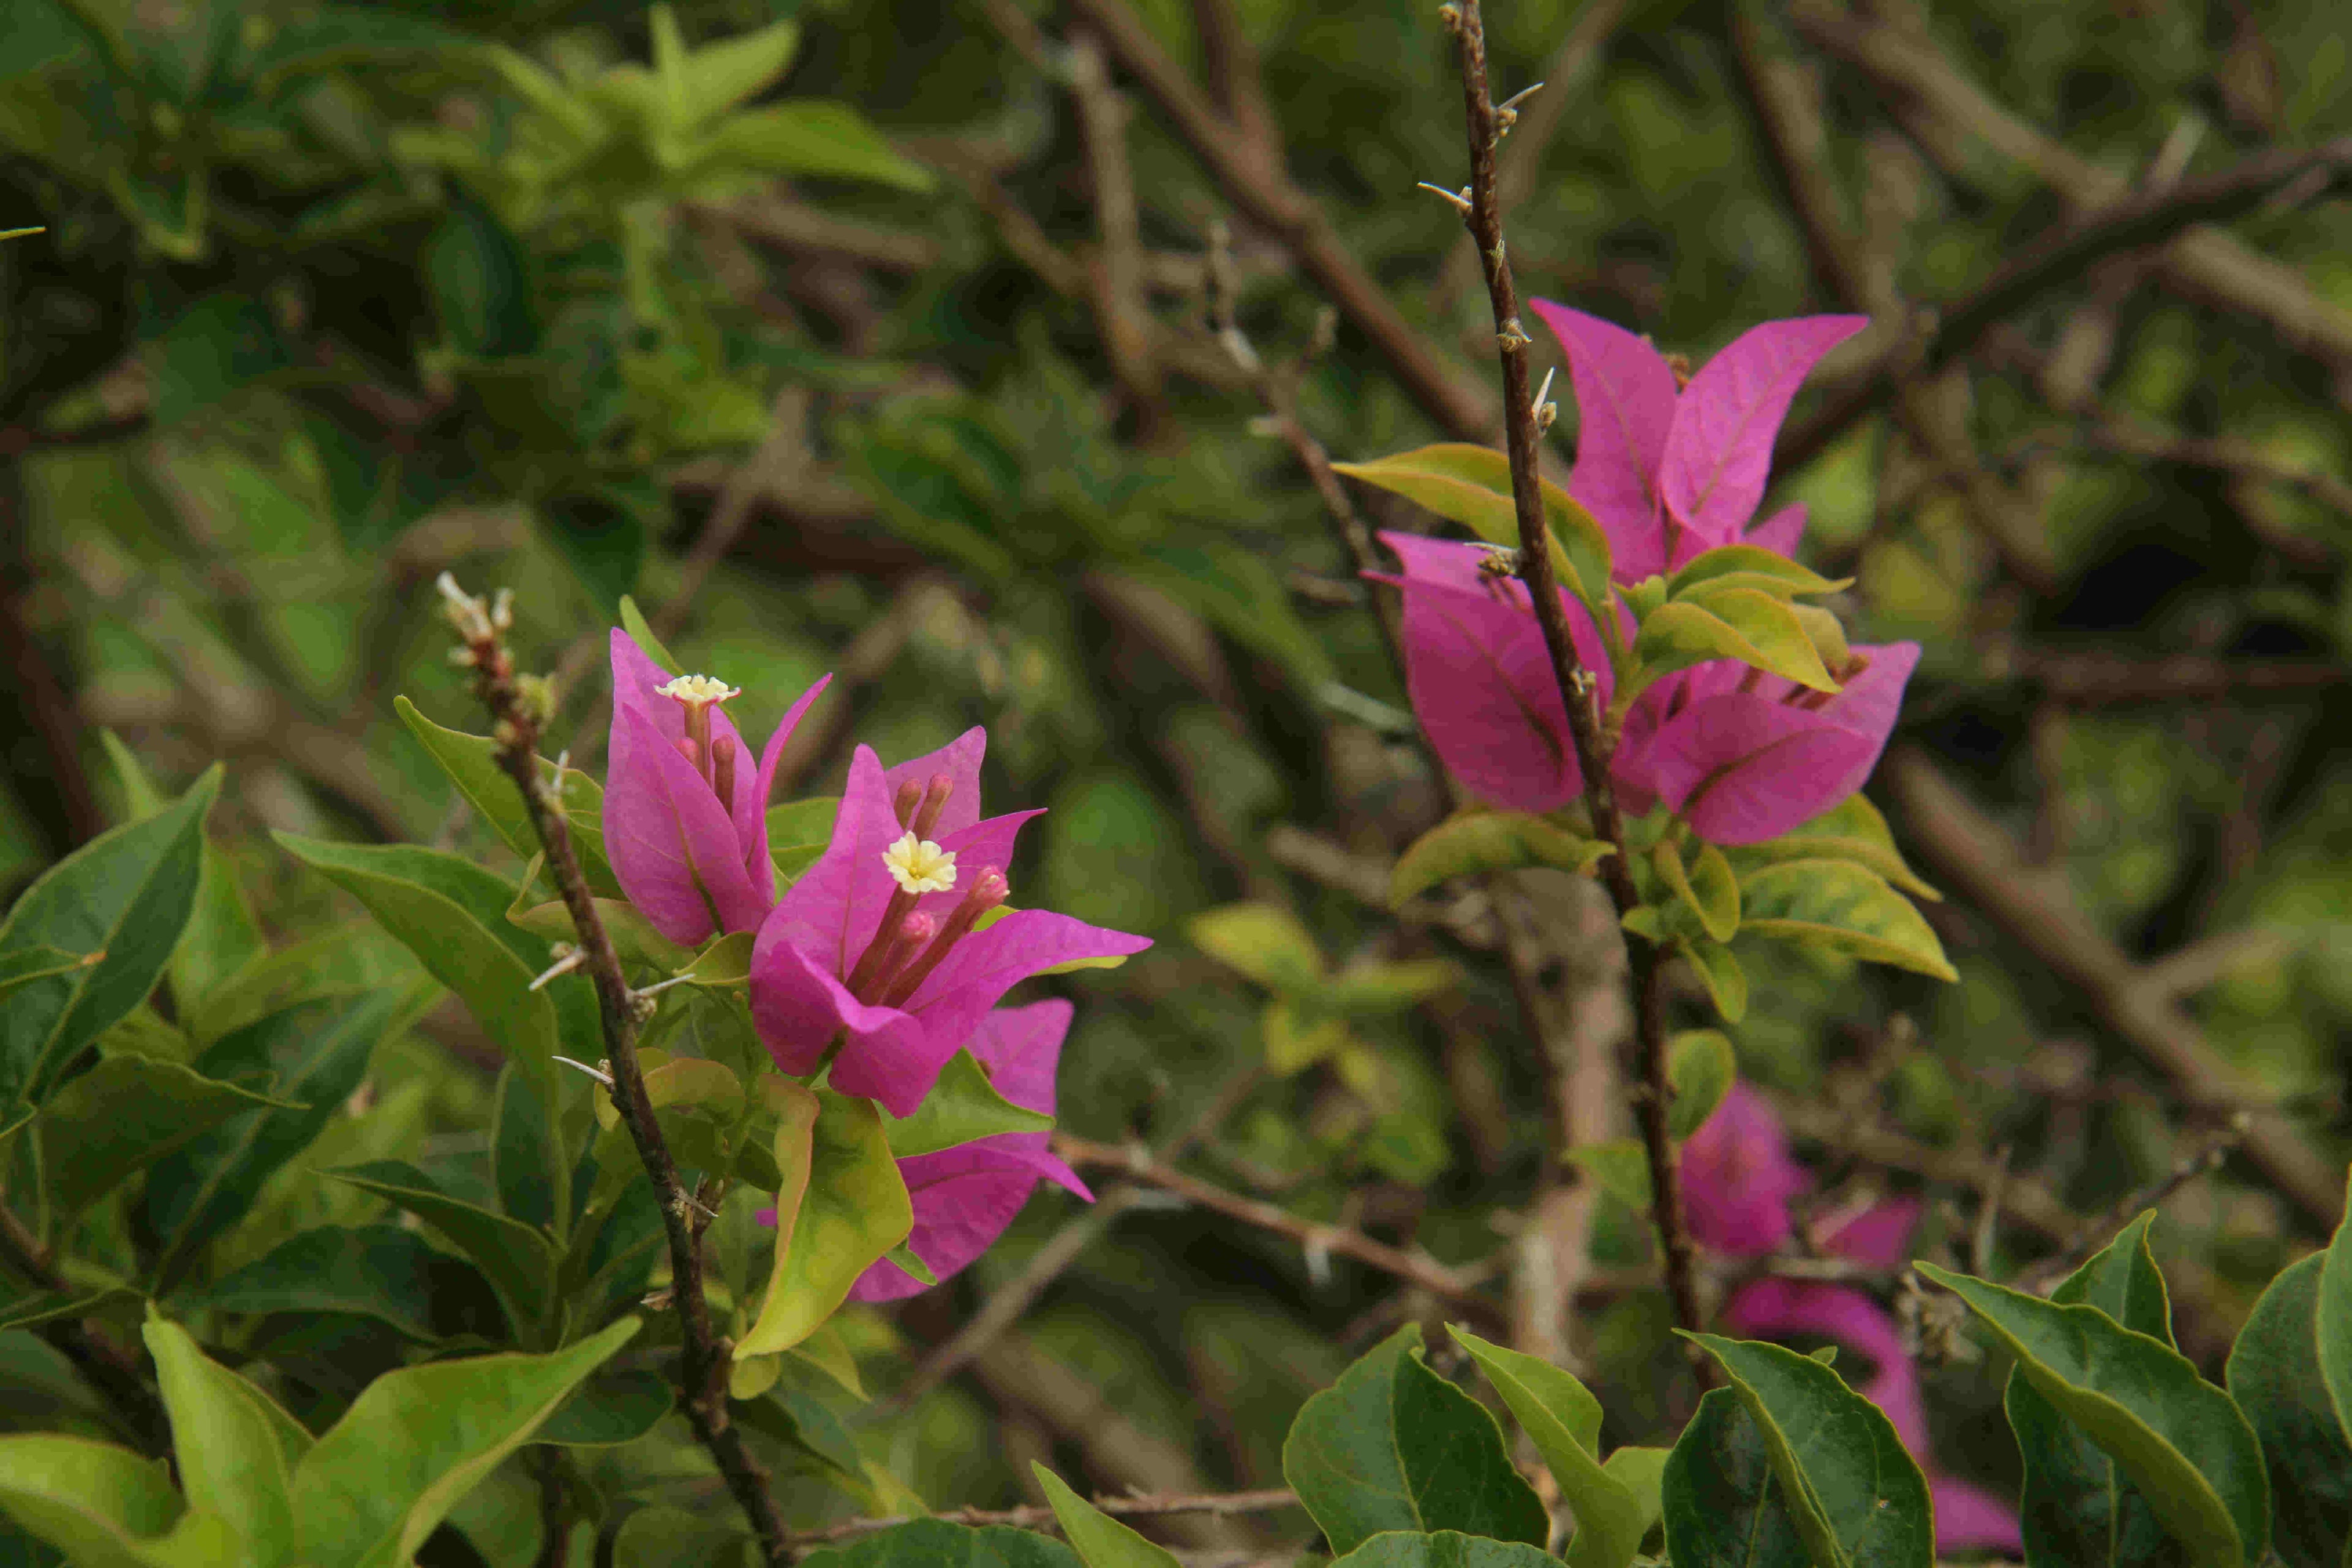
(969, 350)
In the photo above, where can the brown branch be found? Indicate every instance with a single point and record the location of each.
(1252, 174)
(517, 714)
(2094, 1234)
(1033, 1517)
(1645, 961)
(1414, 1268)
(1115, 270)
(2092, 679)
(110, 1368)
(2037, 908)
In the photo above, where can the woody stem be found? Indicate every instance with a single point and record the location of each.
(1645, 959)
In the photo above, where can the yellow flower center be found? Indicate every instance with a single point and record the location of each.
(919, 866)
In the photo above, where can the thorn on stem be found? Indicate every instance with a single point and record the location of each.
(1461, 199)
(599, 1073)
(567, 959)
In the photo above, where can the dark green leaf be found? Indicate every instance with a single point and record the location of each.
(2275, 1376)
(2076, 1505)
(515, 1257)
(221, 938)
(2179, 1439)
(480, 281)
(1100, 1541)
(935, 1543)
(216, 348)
(471, 764)
(1392, 1445)
(47, 1306)
(1722, 1505)
(119, 903)
(1856, 1493)
(527, 1159)
(315, 1054)
(377, 1271)
(608, 1410)
(602, 534)
(1444, 1549)
(106, 1126)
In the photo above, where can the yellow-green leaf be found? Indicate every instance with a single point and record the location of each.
(1701, 1066)
(1473, 840)
(1471, 485)
(1263, 942)
(854, 1209)
(1845, 906)
(1743, 623)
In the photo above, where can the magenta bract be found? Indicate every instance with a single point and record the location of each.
(691, 862)
(1480, 677)
(900, 1022)
(1738, 1176)
(964, 1197)
(1671, 473)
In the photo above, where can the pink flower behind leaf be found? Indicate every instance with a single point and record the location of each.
(686, 810)
(964, 1197)
(1738, 1176)
(880, 948)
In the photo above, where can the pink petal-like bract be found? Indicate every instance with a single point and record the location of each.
(1780, 533)
(1718, 449)
(691, 863)
(810, 943)
(1970, 1519)
(964, 1197)
(1624, 403)
(1738, 1176)
(1880, 1236)
(1745, 767)
(1481, 680)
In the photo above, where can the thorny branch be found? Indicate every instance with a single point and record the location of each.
(518, 704)
(1645, 961)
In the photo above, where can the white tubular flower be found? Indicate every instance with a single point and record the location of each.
(698, 688)
(919, 866)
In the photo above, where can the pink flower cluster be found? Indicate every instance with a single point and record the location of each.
(1669, 472)
(884, 959)
(1737, 1179)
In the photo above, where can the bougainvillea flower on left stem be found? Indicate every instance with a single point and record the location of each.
(1479, 675)
(965, 1196)
(1744, 757)
(1670, 470)
(878, 960)
(1738, 1176)
(685, 814)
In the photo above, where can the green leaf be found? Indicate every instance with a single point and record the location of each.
(378, 1271)
(1471, 485)
(727, 961)
(827, 1351)
(1473, 840)
(665, 1537)
(452, 915)
(1262, 942)
(1375, 990)
(1444, 1549)
(1708, 888)
(2179, 1439)
(633, 620)
(1642, 1471)
(480, 279)
(106, 1126)
(1744, 624)
(470, 762)
(853, 1209)
(2288, 1372)
(221, 938)
(1100, 1541)
(1845, 907)
(236, 1450)
(1722, 1505)
(119, 903)
(1392, 1445)
(1296, 1041)
(529, 1164)
(1857, 1494)
(1621, 1166)
(935, 1543)
(728, 71)
(1718, 969)
(2275, 1376)
(1851, 830)
(964, 1106)
(1240, 592)
(316, 1052)
(47, 1306)
(1740, 563)
(1701, 1066)
(516, 1258)
(815, 136)
(2075, 1506)
(907, 1257)
(419, 1439)
(1562, 1419)
(634, 938)
(609, 1410)
(106, 1507)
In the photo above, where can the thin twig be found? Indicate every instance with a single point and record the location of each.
(2095, 1233)
(1644, 960)
(1033, 1517)
(1414, 1267)
(517, 706)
